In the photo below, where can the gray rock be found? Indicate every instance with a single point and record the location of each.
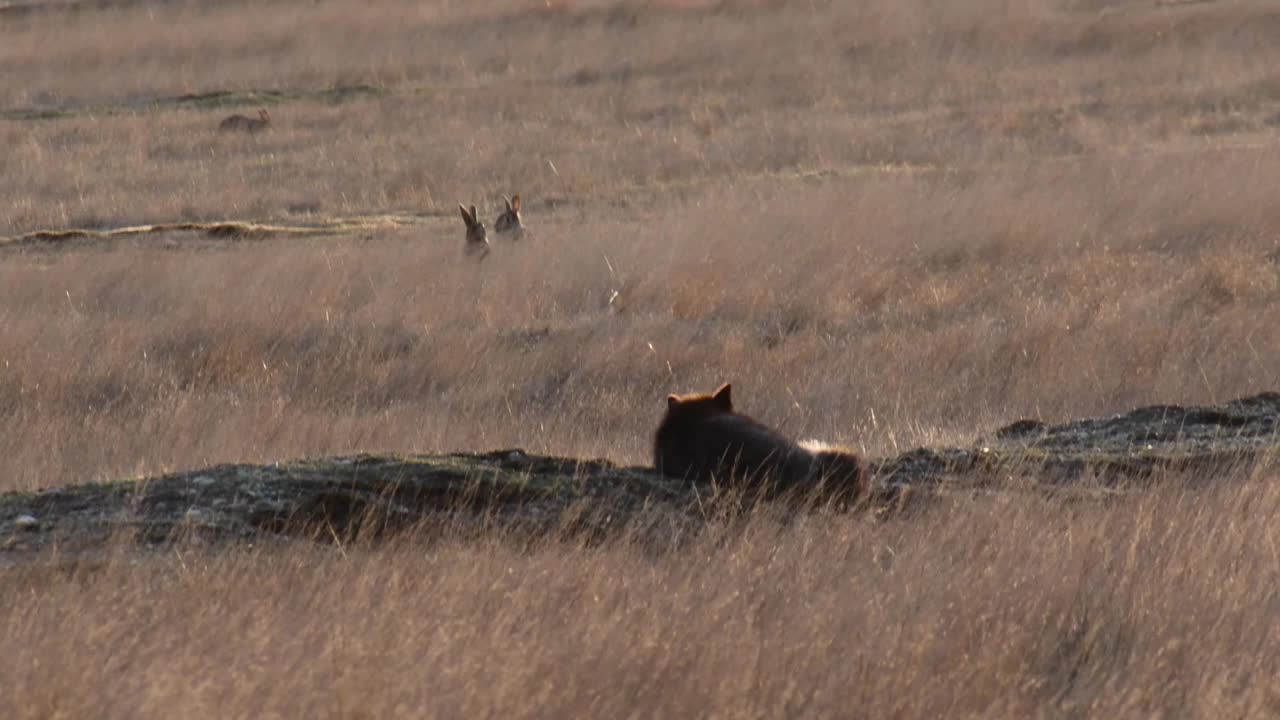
(367, 496)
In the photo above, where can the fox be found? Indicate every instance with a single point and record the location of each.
(509, 220)
(248, 124)
(477, 238)
(703, 439)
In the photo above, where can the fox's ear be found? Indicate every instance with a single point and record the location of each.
(672, 401)
(722, 397)
(466, 216)
(515, 202)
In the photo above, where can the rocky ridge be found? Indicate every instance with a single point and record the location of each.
(334, 499)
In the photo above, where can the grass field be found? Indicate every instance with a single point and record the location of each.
(890, 223)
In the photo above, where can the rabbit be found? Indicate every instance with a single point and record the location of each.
(509, 220)
(477, 239)
(248, 124)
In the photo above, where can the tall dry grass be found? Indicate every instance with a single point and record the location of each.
(888, 223)
(401, 106)
(1160, 604)
(1006, 275)
(879, 312)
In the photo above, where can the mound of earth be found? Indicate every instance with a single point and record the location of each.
(369, 495)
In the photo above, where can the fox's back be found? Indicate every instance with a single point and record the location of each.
(727, 444)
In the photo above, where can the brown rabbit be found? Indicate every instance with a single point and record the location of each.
(477, 239)
(248, 124)
(509, 220)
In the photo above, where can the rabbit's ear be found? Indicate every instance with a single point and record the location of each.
(475, 216)
(514, 204)
(466, 217)
(507, 201)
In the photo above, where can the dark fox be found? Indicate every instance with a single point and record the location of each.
(702, 439)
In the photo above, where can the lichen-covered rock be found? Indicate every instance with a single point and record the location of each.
(1136, 445)
(369, 495)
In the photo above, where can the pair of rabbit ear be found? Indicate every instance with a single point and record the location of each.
(470, 218)
(513, 203)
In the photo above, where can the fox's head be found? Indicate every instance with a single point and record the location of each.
(699, 406)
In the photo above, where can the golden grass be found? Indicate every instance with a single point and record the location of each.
(878, 312)
(1159, 604)
(416, 108)
(887, 223)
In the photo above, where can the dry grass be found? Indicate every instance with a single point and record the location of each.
(583, 102)
(888, 223)
(879, 312)
(1161, 604)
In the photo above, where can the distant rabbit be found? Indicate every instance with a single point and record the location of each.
(477, 241)
(248, 124)
(509, 220)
